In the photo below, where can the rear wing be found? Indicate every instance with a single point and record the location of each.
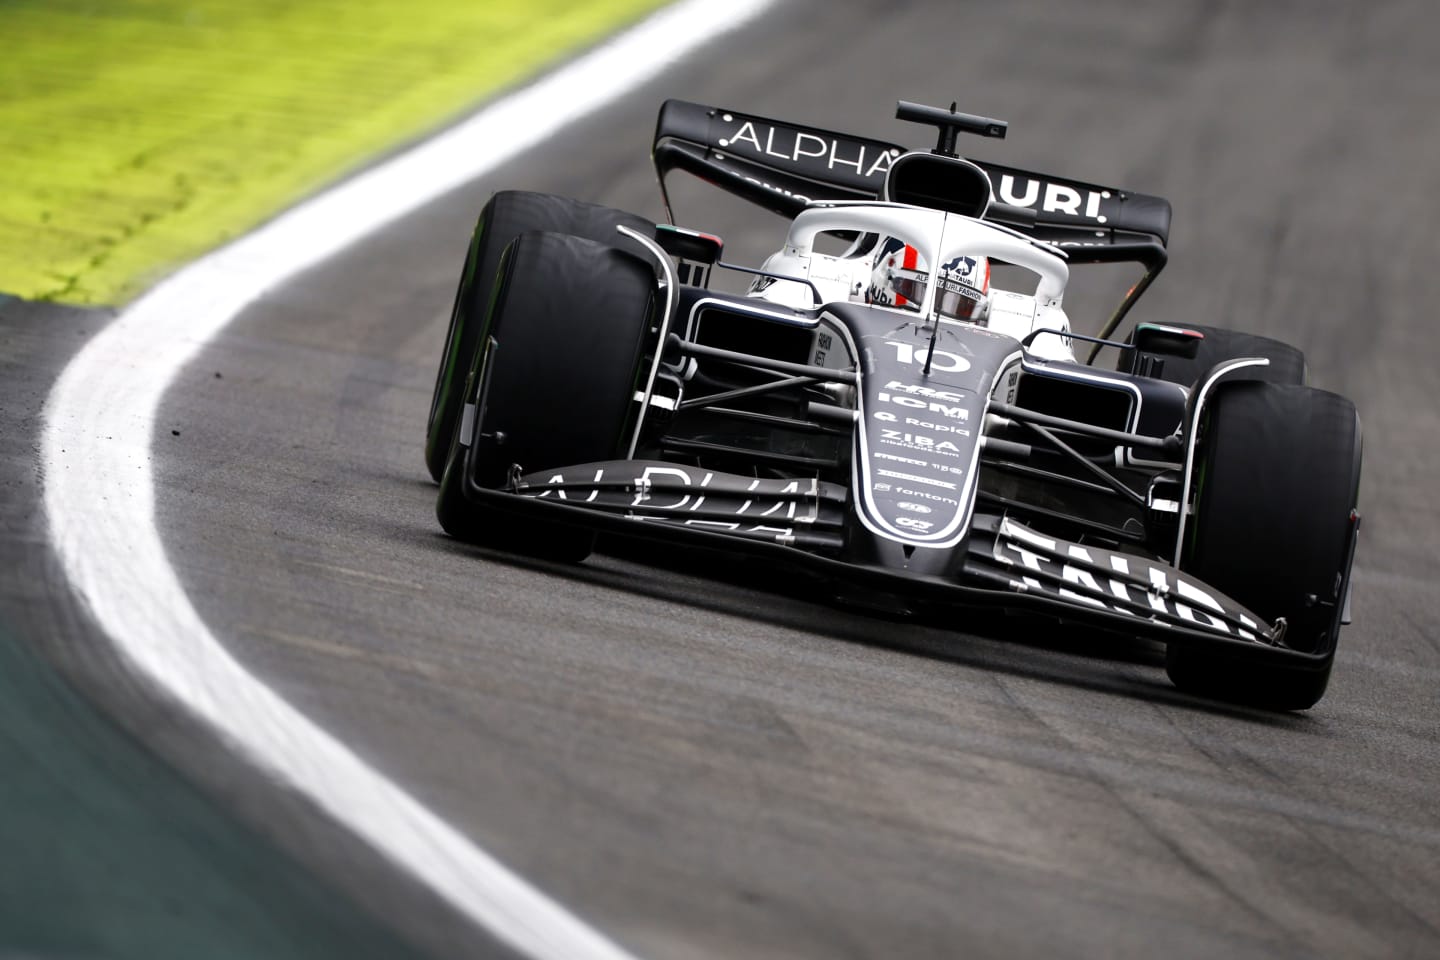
(784, 166)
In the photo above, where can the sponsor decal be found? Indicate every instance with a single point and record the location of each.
(1167, 591)
(961, 268)
(912, 507)
(927, 481)
(1051, 197)
(676, 489)
(911, 461)
(764, 185)
(963, 289)
(1011, 380)
(919, 390)
(927, 495)
(824, 343)
(930, 406)
(918, 441)
(798, 146)
(937, 427)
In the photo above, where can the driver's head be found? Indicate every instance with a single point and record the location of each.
(900, 277)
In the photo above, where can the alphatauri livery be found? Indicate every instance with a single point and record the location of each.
(897, 401)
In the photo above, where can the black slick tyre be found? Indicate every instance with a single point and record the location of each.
(1278, 478)
(505, 216)
(570, 321)
(1287, 364)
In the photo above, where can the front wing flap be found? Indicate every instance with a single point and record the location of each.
(1011, 556)
(809, 513)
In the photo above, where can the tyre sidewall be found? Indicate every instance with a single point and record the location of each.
(508, 214)
(570, 325)
(1278, 474)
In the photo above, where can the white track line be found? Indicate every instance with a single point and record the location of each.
(100, 497)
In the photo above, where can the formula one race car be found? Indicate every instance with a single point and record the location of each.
(905, 413)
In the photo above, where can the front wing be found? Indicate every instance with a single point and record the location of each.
(1004, 564)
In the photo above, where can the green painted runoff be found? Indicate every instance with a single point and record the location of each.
(109, 853)
(137, 134)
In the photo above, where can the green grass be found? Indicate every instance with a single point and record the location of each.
(137, 134)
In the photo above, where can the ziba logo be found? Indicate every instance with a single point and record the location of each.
(944, 362)
(918, 440)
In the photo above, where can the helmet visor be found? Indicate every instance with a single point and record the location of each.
(959, 299)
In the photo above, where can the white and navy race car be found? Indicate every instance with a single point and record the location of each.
(907, 413)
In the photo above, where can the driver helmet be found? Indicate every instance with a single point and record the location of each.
(900, 277)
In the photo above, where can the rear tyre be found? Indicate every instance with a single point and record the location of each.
(1287, 364)
(1279, 479)
(570, 320)
(507, 215)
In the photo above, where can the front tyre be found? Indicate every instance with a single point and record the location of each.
(508, 214)
(1278, 471)
(570, 322)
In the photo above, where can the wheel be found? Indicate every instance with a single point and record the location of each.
(507, 215)
(1279, 479)
(571, 320)
(1287, 364)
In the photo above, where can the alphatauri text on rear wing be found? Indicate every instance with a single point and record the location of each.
(784, 166)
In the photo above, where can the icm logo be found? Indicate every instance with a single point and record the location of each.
(913, 507)
(932, 406)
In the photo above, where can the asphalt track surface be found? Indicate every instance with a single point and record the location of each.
(704, 763)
